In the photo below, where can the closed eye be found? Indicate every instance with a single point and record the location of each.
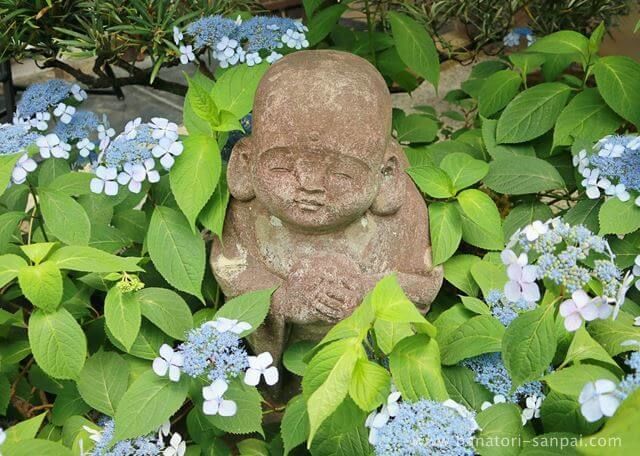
(279, 169)
(342, 175)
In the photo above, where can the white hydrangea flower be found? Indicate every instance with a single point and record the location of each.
(165, 150)
(497, 399)
(85, 147)
(162, 128)
(295, 39)
(78, 93)
(94, 434)
(610, 150)
(22, 168)
(532, 409)
(177, 35)
(619, 191)
(376, 420)
(186, 54)
(168, 361)
(582, 307)
(274, 57)
(222, 324)
(41, 121)
(462, 411)
(177, 446)
(130, 129)
(580, 160)
(105, 131)
(134, 175)
(535, 230)
(522, 277)
(51, 146)
(64, 112)
(598, 399)
(214, 404)
(253, 58)
(261, 366)
(105, 181)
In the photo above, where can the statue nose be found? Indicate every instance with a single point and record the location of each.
(310, 177)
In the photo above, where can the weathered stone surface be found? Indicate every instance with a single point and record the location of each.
(321, 206)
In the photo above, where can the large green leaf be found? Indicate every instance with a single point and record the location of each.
(481, 223)
(445, 228)
(416, 128)
(571, 380)
(236, 88)
(532, 113)
(250, 307)
(32, 447)
(619, 217)
(457, 271)
(563, 42)
(463, 169)
(619, 85)
(103, 381)
(415, 47)
(195, 175)
(177, 252)
(167, 310)
(64, 217)
(294, 427)
(496, 150)
(500, 423)
(10, 265)
(343, 433)
(463, 388)
(8, 227)
(481, 334)
(518, 175)
(89, 259)
(614, 335)
(42, 285)
(497, 91)
(148, 403)
(58, 343)
(370, 384)
(7, 163)
(122, 315)
(248, 418)
(432, 181)
(415, 368)
(213, 213)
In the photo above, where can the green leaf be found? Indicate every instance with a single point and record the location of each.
(25, 430)
(432, 181)
(463, 170)
(415, 368)
(248, 418)
(89, 259)
(323, 22)
(445, 228)
(147, 404)
(343, 434)
(72, 184)
(497, 91)
(250, 307)
(167, 310)
(293, 357)
(370, 384)
(563, 42)
(7, 163)
(520, 175)
(619, 85)
(500, 423)
(496, 150)
(294, 427)
(489, 276)
(10, 264)
(103, 381)
(331, 371)
(41, 284)
(416, 128)
(571, 380)
(524, 214)
(585, 212)
(527, 62)
(479, 335)
(475, 305)
(310, 6)
(619, 217)
(529, 345)
(68, 403)
(58, 343)
(195, 175)
(463, 388)
(37, 252)
(481, 223)
(561, 413)
(235, 90)
(587, 117)
(31, 447)
(415, 47)
(583, 347)
(201, 104)
(177, 252)
(122, 315)
(64, 217)
(213, 214)
(612, 334)
(457, 271)
(532, 113)
(8, 226)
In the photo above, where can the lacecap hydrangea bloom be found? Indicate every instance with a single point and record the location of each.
(15, 139)
(236, 41)
(214, 353)
(515, 36)
(135, 155)
(505, 310)
(41, 97)
(611, 168)
(428, 427)
(153, 444)
(558, 252)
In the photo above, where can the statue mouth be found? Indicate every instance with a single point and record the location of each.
(308, 204)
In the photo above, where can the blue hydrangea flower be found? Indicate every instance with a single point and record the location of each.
(427, 428)
(82, 124)
(504, 310)
(513, 38)
(149, 445)
(490, 372)
(127, 149)
(15, 139)
(631, 382)
(41, 96)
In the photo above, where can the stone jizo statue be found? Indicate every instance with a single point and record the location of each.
(321, 206)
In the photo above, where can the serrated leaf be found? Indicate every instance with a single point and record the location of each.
(234, 91)
(457, 271)
(445, 228)
(432, 181)
(103, 381)
(122, 315)
(481, 223)
(522, 175)
(497, 91)
(250, 307)
(479, 335)
(370, 384)
(619, 217)
(89, 259)
(41, 284)
(571, 380)
(294, 427)
(167, 310)
(619, 85)
(60, 212)
(463, 388)
(463, 169)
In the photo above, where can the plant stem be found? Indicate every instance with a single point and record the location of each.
(36, 209)
(372, 48)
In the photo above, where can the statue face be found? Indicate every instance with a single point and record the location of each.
(314, 189)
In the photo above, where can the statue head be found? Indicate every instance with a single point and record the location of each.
(321, 153)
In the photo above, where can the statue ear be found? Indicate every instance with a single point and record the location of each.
(393, 186)
(239, 171)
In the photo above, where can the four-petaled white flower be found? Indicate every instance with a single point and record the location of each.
(186, 54)
(497, 399)
(580, 160)
(462, 411)
(214, 404)
(532, 409)
(168, 361)
(134, 175)
(535, 230)
(78, 93)
(261, 366)
(130, 130)
(522, 278)
(619, 191)
(22, 168)
(253, 58)
(162, 128)
(611, 150)
(51, 145)
(41, 121)
(177, 446)
(177, 35)
(295, 39)
(222, 324)
(274, 57)
(104, 131)
(376, 420)
(105, 181)
(582, 307)
(85, 147)
(598, 399)
(166, 149)
(65, 112)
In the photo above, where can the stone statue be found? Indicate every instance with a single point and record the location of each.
(321, 206)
